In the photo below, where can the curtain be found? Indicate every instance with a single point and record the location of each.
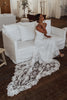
(52, 8)
(13, 4)
(64, 7)
(16, 8)
(56, 8)
(33, 4)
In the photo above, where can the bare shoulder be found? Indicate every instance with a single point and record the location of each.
(38, 25)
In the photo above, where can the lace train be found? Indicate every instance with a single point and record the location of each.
(27, 75)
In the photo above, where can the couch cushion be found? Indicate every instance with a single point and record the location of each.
(26, 44)
(27, 31)
(59, 40)
(48, 27)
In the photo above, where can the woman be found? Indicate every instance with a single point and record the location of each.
(41, 27)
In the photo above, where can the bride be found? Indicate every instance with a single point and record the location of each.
(27, 74)
(47, 45)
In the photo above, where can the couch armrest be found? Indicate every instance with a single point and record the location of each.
(10, 46)
(58, 32)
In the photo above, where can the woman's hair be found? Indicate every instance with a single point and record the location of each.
(38, 16)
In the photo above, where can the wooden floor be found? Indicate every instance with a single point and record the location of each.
(53, 87)
(59, 23)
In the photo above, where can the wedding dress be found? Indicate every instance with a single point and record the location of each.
(46, 48)
(41, 64)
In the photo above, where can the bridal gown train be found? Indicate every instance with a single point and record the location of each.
(42, 64)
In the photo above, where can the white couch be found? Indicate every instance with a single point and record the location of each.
(65, 28)
(18, 50)
(7, 19)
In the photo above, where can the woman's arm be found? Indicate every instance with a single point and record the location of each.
(39, 29)
(42, 31)
(43, 25)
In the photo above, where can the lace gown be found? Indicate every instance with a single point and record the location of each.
(42, 64)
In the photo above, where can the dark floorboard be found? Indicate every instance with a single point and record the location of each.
(53, 87)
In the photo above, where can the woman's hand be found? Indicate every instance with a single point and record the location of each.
(48, 36)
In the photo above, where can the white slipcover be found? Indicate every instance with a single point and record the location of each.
(19, 51)
(65, 28)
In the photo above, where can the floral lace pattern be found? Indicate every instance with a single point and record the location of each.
(27, 75)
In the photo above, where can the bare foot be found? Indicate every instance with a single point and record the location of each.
(61, 55)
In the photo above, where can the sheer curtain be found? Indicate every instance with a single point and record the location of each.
(33, 4)
(52, 8)
(64, 8)
(13, 4)
(16, 8)
(56, 8)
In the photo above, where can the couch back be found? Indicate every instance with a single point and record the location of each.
(24, 31)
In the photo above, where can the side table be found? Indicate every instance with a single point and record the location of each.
(3, 60)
